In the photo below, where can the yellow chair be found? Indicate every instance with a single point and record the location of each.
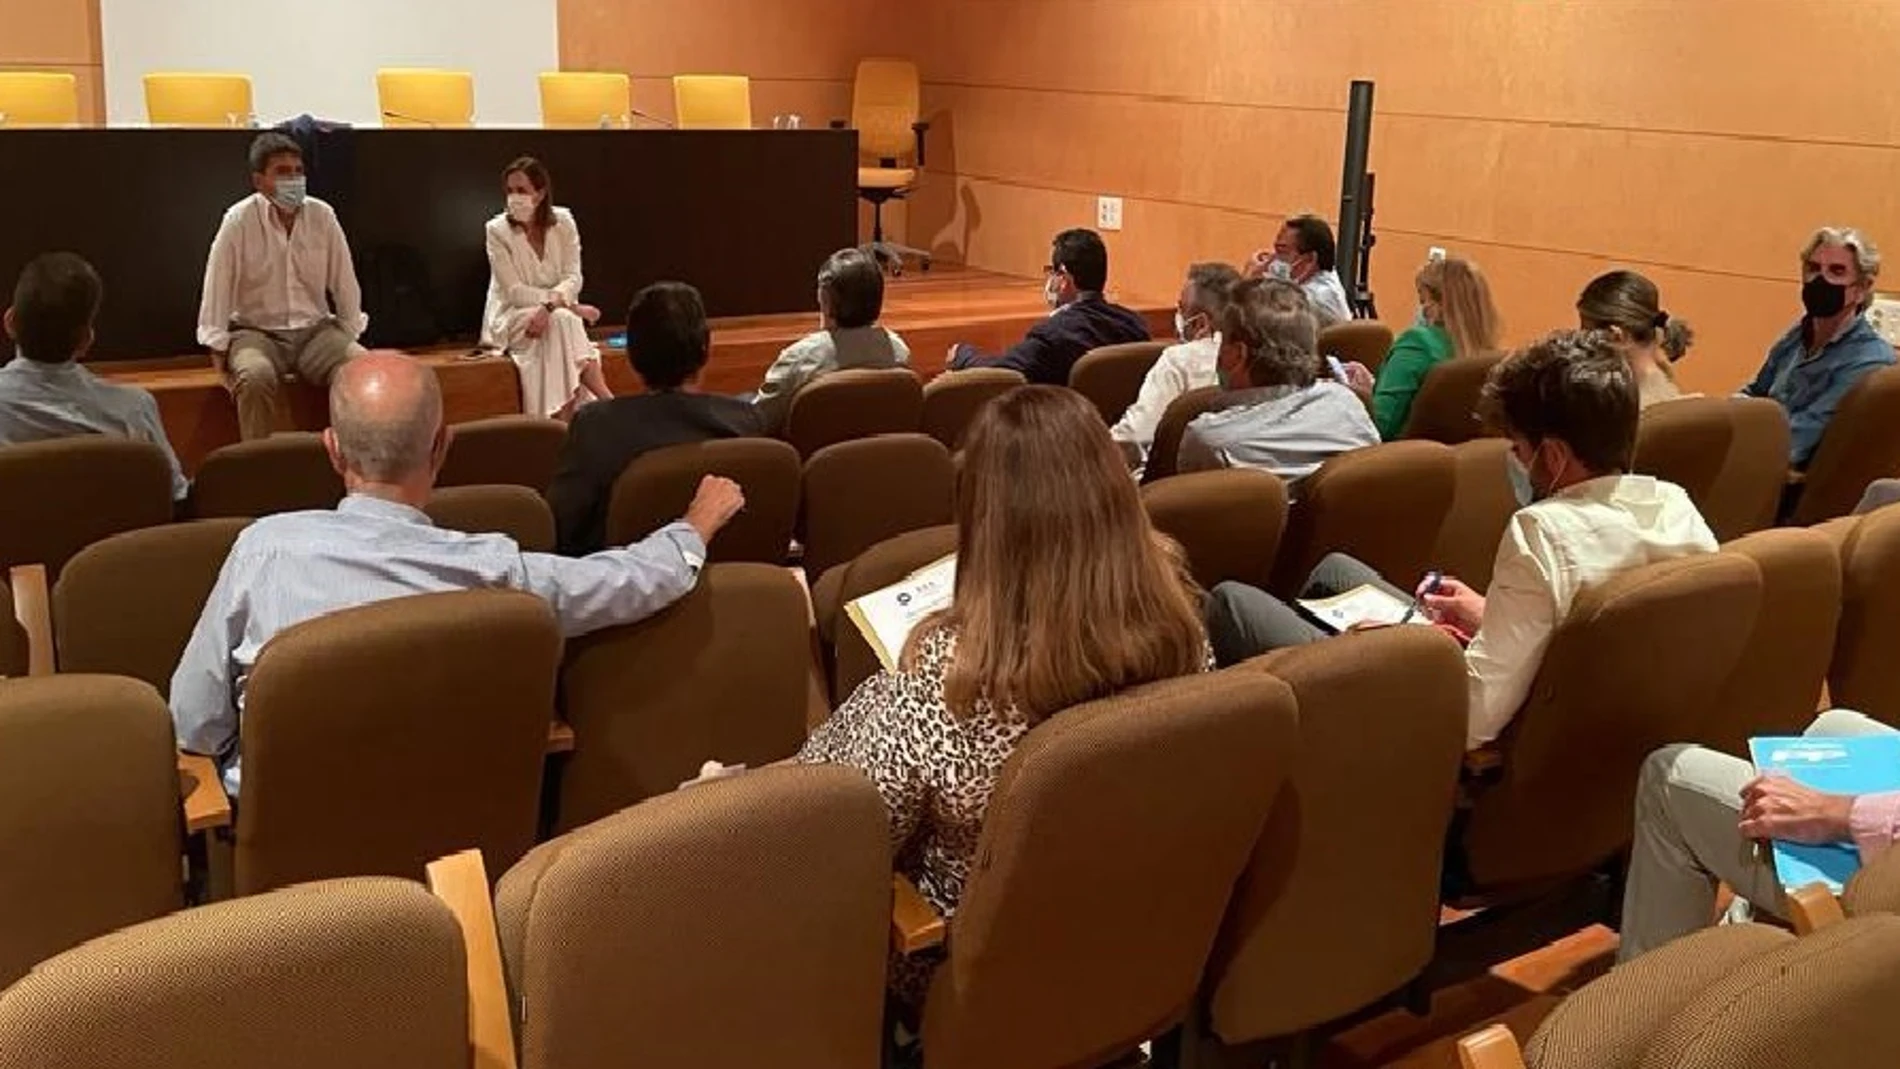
(413, 96)
(712, 101)
(885, 110)
(198, 99)
(586, 99)
(38, 98)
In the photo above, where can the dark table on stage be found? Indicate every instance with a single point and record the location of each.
(745, 215)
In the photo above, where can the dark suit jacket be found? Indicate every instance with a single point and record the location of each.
(606, 437)
(1054, 345)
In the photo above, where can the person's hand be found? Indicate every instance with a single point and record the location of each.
(221, 363)
(588, 313)
(1776, 807)
(1359, 378)
(1257, 264)
(538, 323)
(1454, 603)
(719, 499)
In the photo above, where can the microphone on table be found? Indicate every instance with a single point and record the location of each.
(417, 119)
(637, 113)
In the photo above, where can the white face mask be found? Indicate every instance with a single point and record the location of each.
(1180, 325)
(1052, 290)
(289, 193)
(521, 207)
(1280, 269)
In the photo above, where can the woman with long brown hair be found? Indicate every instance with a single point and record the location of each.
(1064, 593)
(534, 311)
(1455, 318)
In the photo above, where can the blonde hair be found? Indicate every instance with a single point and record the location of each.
(1464, 299)
(1631, 303)
(1866, 254)
(1065, 592)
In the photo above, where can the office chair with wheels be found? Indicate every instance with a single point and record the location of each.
(198, 99)
(417, 96)
(38, 98)
(885, 110)
(586, 100)
(712, 101)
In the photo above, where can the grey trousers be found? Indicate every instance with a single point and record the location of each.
(1245, 622)
(1688, 812)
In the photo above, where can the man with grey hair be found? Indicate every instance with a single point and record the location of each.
(1184, 366)
(850, 299)
(1813, 366)
(1280, 412)
(388, 441)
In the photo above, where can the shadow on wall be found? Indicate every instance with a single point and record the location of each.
(944, 208)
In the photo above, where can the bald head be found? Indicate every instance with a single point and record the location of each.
(385, 417)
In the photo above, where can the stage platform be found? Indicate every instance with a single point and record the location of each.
(931, 310)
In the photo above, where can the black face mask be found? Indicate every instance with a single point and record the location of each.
(1823, 299)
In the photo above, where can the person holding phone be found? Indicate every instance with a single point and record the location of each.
(1568, 404)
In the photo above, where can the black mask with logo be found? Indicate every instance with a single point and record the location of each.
(1823, 299)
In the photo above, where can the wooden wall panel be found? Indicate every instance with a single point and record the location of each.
(57, 35)
(1547, 140)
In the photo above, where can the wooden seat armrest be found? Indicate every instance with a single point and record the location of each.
(1493, 1048)
(1796, 477)
(461, 882)
(33, 608)
(1484, 762)
(560, 737)
(915, 923)
(1813, 907)
(205, 803)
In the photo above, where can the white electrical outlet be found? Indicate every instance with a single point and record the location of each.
(1108, 213)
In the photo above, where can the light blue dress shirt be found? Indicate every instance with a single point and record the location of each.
(296, 566)
(41, 401)
(1285, 430)
(1811, 387)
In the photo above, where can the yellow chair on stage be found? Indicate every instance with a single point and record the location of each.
(886, 111)
(198, 99)
(416, 96)
(38, 98)
(712, 101)
(586, 99)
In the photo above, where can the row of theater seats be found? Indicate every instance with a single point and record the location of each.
(1171, 855)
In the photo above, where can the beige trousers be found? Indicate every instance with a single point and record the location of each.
(259, 360)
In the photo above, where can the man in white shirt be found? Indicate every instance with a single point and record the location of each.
(1568, 403)
(1279, 413)
(1188, 365)
(1304, 253)
(277, 264)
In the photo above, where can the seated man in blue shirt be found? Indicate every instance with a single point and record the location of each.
(1821, 357)
(1082, 318)
(387, 440)
(45, 393)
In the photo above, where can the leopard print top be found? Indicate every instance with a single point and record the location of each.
(935, 770)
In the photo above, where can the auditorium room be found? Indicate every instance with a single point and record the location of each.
(949, 534)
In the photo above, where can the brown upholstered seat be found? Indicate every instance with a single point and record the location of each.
(1747, 490)
(62, 495)
(286, 472)
(1446, 407)
(1383, 505)
(1876, 887)
(504, 450)
(1858, 447)
(1865, 674)
(1228, 521)
(1364, 341)
(90, 834)
(366, 973)
(381, 737)
(1481, 510)
(1110, 846)
(1164, 456)
(1382, 730)
(501, 508)
(126, 605)
(1111, 376)
(859, 493)
(723, 674)
(1777, 684)
(656, 488)
(1603, 701)
(1686, 441)
(889, 561)
(952, 399)
(735, 924)
(855, 403)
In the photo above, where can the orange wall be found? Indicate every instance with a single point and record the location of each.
(1698, 141)
(56, 35)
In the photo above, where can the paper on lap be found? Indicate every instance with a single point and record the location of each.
(886, 617)
(1361, 606)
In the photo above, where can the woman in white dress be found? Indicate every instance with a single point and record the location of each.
(534, 311)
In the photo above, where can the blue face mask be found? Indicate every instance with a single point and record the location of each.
(288, 193)
(1520, 476)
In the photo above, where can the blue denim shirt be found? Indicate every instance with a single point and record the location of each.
(1810, 389)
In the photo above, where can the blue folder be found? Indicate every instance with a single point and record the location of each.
(1863, 764)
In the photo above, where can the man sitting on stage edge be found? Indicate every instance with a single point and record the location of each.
(668, 343)
(1082, 318)
(45, 393)
(387, 440)
(1568, 404)
(278, 261)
